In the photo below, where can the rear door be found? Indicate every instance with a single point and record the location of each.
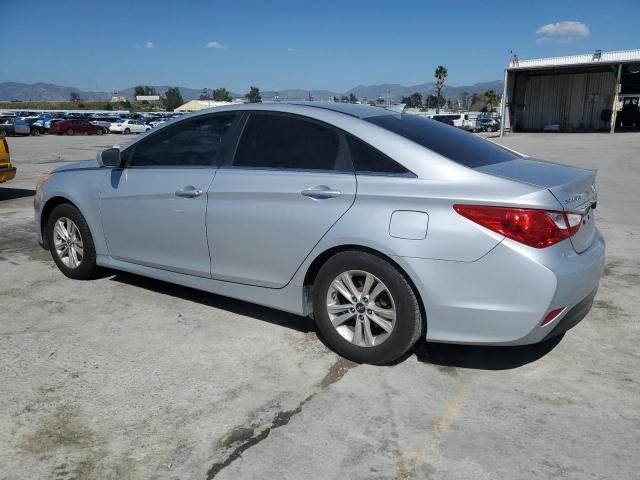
(153, 211)
(291, 179)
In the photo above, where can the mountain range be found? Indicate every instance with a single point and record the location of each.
(10, 91)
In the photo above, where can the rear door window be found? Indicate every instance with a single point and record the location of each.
(287, 142)
(453, 143)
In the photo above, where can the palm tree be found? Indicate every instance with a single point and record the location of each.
(441, 74)
(490, 99)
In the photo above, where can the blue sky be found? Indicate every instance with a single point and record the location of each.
(114, 44)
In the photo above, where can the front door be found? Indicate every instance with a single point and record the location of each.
(153, 210)
(290, 181)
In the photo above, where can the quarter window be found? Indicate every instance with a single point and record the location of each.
(194, 142)
(369, 160)
(287, 142)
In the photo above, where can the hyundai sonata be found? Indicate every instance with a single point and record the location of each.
(383, 226)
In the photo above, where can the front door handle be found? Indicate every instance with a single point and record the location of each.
(189, 192)
(321, 192)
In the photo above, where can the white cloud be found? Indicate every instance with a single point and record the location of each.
(562, 31)
(291, 50)
(149, 45)
(217, 45)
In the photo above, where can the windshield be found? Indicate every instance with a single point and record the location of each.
(450, 142)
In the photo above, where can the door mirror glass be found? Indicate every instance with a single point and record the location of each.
(109, 158)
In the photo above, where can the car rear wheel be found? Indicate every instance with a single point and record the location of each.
(71, 243)
(70, 131)
(35, 132)
(127, 131)
(3, 133)
(365, 308)
(100, 131)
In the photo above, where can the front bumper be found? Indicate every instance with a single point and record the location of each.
(502, 298)
(7, 173)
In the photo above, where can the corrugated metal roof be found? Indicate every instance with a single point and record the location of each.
(621, 56)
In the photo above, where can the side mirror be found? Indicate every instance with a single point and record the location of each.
(109, 158)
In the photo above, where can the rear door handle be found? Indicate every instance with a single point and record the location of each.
(321, 192)
(189, 192)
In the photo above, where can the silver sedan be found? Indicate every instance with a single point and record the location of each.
(383, 226)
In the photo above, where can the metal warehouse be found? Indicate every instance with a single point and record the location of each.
(593, 92)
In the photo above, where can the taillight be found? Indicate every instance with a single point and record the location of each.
(536, 228)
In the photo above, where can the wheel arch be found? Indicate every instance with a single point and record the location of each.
(47, 208)
(316, 264)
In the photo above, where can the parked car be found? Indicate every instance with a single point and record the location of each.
(14, 126)
(447, 236)
(443, 119)
(129, 126)
(73, 127)
(34, 129)
(487, 124)
(460, 120)
(7, 171)
(105, 122)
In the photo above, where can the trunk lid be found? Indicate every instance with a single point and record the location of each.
(573, 187)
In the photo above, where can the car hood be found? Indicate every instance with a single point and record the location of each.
(81, 165)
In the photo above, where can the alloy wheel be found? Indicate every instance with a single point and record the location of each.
(361, 308)
(68, 243)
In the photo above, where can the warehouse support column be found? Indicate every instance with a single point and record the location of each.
(614, 112)
(504, 109)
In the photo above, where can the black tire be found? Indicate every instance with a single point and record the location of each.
(35, 132)
(100, 131)
(3, 134)
(87, 268)
(409, 323)
(127, 131)
(70, 131)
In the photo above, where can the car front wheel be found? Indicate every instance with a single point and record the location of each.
(365, 308)
(71, 243)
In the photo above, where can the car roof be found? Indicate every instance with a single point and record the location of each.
(352, 109)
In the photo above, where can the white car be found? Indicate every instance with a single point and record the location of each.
(129, 126)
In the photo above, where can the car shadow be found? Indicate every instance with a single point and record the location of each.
(439, 354)
(13, 193)
(239, 307)
(482, 357)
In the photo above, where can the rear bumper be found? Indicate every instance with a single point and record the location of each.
(502, 298)
(7, 173)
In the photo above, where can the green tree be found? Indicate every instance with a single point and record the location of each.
(221, 95)
(344, 99)
(172, 99)
(205, 94)
(352, 98)
(441, 75)
(431, 102)
(490, 98)
(254, 95)
(143, 90)
(413, 101)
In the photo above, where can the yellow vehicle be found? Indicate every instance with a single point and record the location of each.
(7, 172)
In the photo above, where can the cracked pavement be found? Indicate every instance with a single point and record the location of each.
(131, 378)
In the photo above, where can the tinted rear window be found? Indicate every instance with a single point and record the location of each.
(450, 142)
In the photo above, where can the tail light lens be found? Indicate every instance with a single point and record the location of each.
(535, 228)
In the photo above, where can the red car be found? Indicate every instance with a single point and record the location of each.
(72, 127)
